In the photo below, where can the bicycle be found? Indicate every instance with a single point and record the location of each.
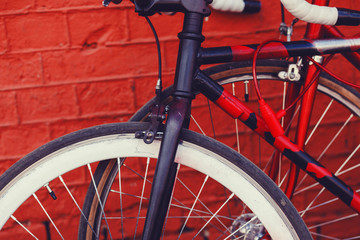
(278, 218)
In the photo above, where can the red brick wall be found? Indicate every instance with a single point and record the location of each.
(60, 61)
(66, 65)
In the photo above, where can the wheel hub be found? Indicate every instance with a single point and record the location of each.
(247, 227)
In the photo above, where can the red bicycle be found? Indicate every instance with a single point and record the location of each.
(198, 187)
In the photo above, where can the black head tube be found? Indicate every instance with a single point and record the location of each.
(149, 7)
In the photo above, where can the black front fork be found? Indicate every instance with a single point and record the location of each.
(166, 168)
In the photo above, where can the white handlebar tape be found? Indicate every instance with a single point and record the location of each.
(228, 5)
(311, 13)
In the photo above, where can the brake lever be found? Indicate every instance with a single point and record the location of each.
(106, 3)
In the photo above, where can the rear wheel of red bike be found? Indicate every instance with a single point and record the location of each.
(333, 139)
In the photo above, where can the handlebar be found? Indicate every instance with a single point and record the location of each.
(321, 14)
(301, 9)
(311, 13)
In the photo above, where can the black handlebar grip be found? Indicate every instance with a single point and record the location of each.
(252, 6)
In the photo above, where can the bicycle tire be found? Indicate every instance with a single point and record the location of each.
(347, 103)
(118, 140)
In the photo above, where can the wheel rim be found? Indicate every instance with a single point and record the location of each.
(111, 146)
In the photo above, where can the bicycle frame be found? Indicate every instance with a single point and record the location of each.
(190, 57)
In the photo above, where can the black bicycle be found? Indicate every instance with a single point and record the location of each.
(153, 178)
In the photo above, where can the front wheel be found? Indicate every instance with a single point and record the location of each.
(218, 193)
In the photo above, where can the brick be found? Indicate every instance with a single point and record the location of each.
(22, 6)
(20, 140)
(343, 69)
(44, 4)
(20, 70)
(238, 38)
(8, 112)
(61, 127)
(106, 97)
(37, 31)
(86, 30)
(108, 62)
(3, 38)
(16, 233)
(144, 90)
(51, 103)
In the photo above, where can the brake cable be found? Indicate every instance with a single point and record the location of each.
(333, 74)
(158, 88)
(270, 117)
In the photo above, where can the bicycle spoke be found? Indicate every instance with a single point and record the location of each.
(205, 215)
(350, 156)
(197, 124)
(128, 194)
(325, 203)
(120, 196)
(138, 174)
(99, 199)
(48, 216)
(319, 121)
(25, 228)
(207, 209)
(312, 202)
(214, 215)
(211, 119)
(328, 146)
(239, 229)
(338, 172)
(324, 236)
(335, 137)
(176, 217)
(283, 180)
(334, 221)
(142, 194)
(236, 123)
(182, 206)
(77, 205)
(192, 207)
(353, 238)
(199, 213)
